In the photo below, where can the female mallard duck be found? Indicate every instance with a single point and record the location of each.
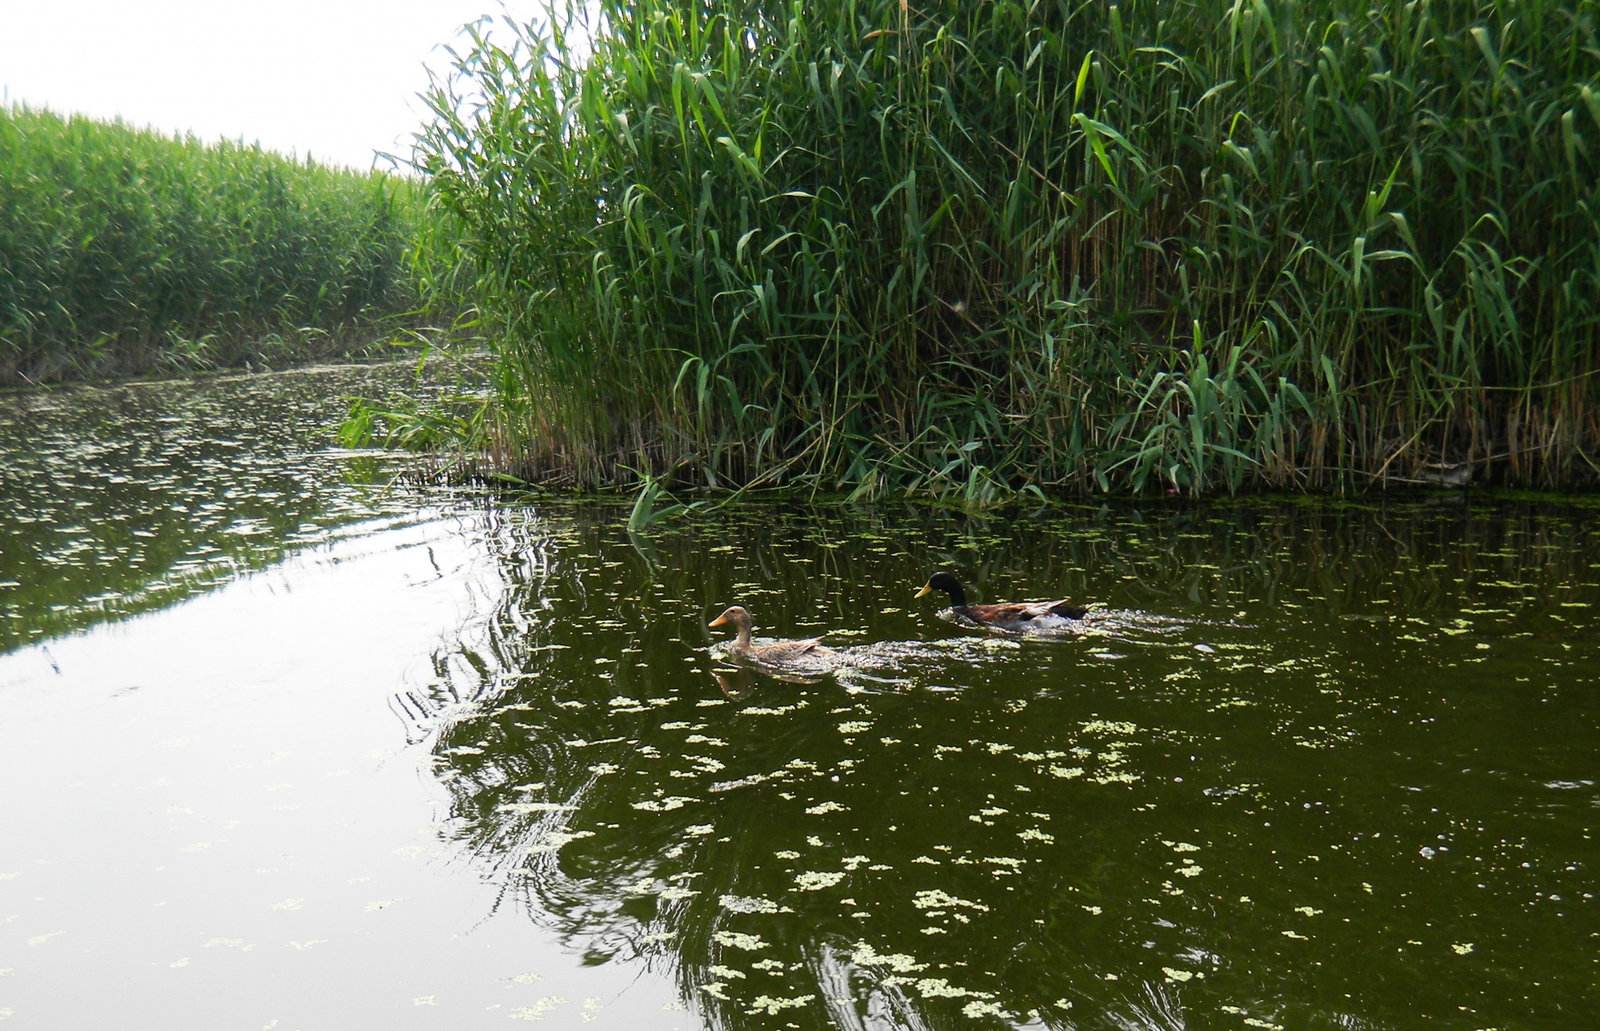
(1016, 615)
(775, 652)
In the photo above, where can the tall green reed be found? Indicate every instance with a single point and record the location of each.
(965, 249)
(123, 250)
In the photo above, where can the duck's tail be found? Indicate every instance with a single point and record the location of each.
(1068, 610)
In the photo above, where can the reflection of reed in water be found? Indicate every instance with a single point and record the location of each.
(497, 643)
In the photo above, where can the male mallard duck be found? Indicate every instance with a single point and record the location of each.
(1016, 615)
(779, 652)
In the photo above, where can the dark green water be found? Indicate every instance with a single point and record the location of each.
(425, 762)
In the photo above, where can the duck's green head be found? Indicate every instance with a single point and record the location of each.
(946, 583)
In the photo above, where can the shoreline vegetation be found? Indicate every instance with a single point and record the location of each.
(127, 252)
(971, 251)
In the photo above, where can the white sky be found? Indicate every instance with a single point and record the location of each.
(335, 79)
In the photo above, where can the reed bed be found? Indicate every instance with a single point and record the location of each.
(124, 250)
(973, 249)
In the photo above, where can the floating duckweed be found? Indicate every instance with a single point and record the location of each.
(1177, 975)
(748, 904)
(769, 1005)
(539, 1008)
(1307, 910)
(1461, 948)
(727, 973)
(715, 990)
(824, 807)
(1035, 834)
(980, 1007)
(812, 880)
(787, 854)
(1121, 728)
(1066, 772)
(736, 940)
(854, 727)
(899, 962)
(936, 899)
(699, 830)
(664, 805)
(939, 988)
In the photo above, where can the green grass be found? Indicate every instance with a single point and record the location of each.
(970, 249)
(123, 250)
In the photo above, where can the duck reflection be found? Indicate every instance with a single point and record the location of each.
(735, 684)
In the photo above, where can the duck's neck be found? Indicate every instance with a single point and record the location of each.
(958, 597)
(742, 642)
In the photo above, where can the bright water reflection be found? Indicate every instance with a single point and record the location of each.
(467, 766)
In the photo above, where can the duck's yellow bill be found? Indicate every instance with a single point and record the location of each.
(719, 621)
(926, 589)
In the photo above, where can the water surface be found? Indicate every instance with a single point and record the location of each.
(410, 759)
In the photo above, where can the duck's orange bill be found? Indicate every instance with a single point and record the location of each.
(926, 589)
(719, 621)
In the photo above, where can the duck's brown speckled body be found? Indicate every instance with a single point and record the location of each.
(1015, 615)
(809, 651)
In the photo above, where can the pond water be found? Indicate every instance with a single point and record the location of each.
(289, 748)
